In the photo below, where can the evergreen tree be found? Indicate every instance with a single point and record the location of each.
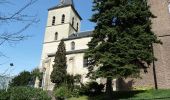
(23, 79)
(59, 68)
(122, 40)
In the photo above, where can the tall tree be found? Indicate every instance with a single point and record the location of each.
(36, 73)
(23, 79)
(122, 39)
(59, 68)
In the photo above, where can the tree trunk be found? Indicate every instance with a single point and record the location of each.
(109, 88)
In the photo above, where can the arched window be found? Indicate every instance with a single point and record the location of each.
(63, 18)
(73, 21)
(169, 7)
(77, 27)
(56, 36)
(73, 45)
(53, 20)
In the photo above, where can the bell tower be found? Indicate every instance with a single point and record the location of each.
(62, 21)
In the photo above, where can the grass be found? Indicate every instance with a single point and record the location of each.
(132, 95)
(153, 94)
(80, 98)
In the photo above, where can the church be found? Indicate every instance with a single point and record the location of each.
(63, 23)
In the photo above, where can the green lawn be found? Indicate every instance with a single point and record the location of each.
(80, 98)
(132, 95)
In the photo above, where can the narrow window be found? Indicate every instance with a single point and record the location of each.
(85, 62)
(56, 36)
(77, 27)
(169, 7)
(73, 21)
(63, 18)
(53, 20)
(72, 45)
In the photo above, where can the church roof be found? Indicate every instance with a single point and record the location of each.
(63, 3)
(79, 35)
(66, 3)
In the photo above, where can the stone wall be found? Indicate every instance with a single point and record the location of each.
(161, 27)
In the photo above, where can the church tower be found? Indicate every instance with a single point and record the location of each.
(63, 20)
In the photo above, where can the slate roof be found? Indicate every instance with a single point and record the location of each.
(63, 4)
(79, 35)
(69, 52)
(66, 3)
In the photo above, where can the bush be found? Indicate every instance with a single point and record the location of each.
(4, 95)
(62, 92)
(91, 88)
(24, 93)
(76, 91)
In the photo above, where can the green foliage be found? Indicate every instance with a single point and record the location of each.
(36, 73)
(122, 40)
(153, 94)
(59, 68)
(62, 92)
(4, 95)
(26, 78)
(79, 98)
(71, 86)
(23, 79)
(24, 93)
(76, 91)
(72, 81)
(91, 89)
(131, 95)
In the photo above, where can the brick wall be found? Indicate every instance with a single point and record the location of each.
(161, 27)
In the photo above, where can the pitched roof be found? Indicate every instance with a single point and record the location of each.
(66, 3)
(63, 3)
(79, 35)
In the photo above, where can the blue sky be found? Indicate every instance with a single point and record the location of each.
(26, 54)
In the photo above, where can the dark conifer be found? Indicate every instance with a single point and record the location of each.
(122, 40)
(59, 68)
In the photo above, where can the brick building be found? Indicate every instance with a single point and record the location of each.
(64, 23)
(158, 75)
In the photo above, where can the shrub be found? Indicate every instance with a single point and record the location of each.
(23, 79)
(24, 93)
(4, 95)
(91, 88)
(62, 92)
(76, 91)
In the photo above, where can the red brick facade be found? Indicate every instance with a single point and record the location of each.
(161, 27)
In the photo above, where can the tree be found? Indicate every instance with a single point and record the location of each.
(59, 68)
(122, 40)
(23, 79)
(17, 17)
(36, 73)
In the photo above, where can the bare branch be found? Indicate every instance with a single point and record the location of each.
(17, 15)
(12, 37)
(4, 1)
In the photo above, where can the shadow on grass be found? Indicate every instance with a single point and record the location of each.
(115, 96)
